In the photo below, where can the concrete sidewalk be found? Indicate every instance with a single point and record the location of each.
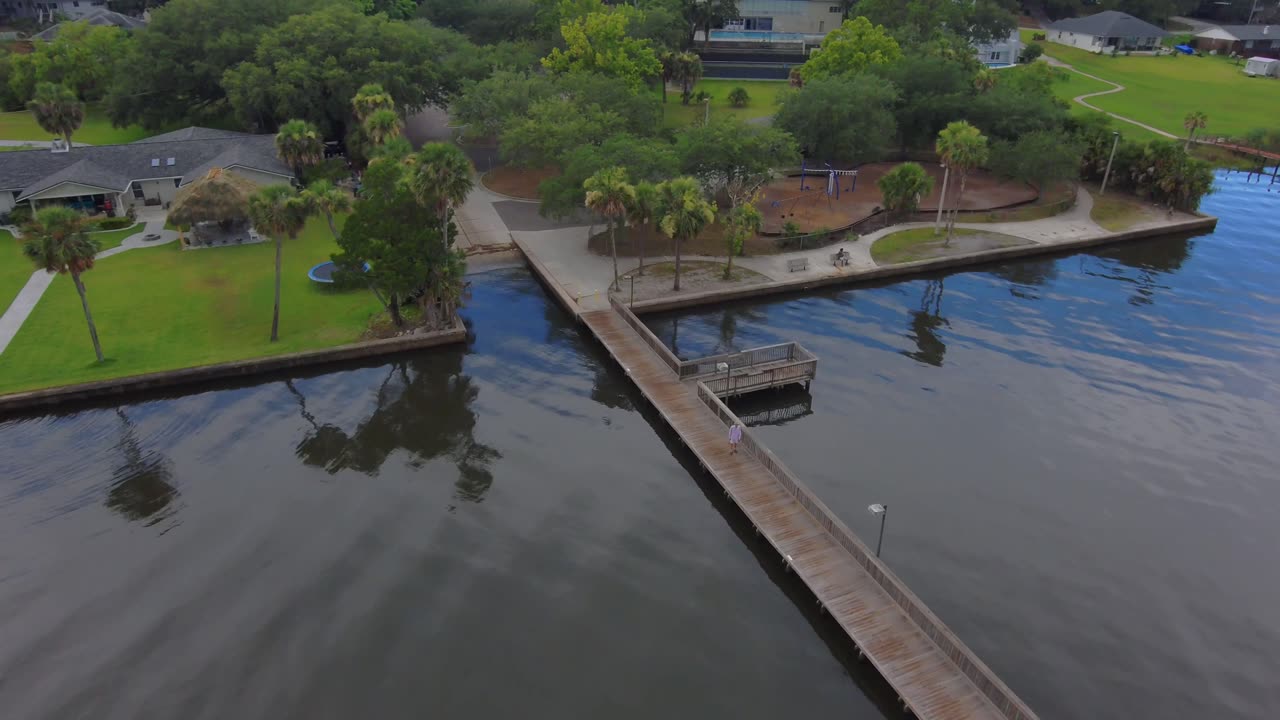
(25, 303)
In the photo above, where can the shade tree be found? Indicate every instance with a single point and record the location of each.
(841, 119)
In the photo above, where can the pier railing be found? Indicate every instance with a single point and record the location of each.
(647, 335)
(982, 677)
(710, 365)
(789, 361)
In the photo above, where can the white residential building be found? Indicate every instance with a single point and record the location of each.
(48, 10)
(999, 53)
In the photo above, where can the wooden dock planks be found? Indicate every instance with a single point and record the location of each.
(929, 683)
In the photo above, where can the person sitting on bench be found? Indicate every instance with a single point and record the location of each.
(842, 257)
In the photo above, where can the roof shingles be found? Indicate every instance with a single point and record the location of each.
(194, 151)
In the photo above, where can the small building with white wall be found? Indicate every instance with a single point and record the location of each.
(999, 53)
(1262, 67)
(114, 178)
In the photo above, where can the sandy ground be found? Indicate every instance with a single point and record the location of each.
(695, 276)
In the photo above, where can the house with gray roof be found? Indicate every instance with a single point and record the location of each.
(1242, 40)
(113, 178)
(1106, 32)
(98, 17)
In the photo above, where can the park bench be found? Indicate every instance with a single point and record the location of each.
(797, 264)
(838, 261)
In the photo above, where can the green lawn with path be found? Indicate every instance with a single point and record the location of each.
(164, 308)
(15, 269)
(96, 129)
(108, 239)
(763, 103)
(1161, 91)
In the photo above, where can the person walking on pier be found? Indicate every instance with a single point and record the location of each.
(735, 437)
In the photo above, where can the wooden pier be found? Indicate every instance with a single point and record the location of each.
(932, 671)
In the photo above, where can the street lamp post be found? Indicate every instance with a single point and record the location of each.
(1107, 175)
(882, 511)
(706, 115)
(942, 201)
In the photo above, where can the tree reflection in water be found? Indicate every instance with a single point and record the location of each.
(140, 485)
(424, 408)
(925, 323)
(1026, 275)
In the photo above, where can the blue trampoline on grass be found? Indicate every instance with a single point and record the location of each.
(323, 273)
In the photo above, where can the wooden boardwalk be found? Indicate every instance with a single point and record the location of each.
(934, 674)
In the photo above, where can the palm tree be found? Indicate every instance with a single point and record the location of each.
(382, 126)
(1193, 122)
(640, 213)
(688, 67)
(299, 145)
(57, 110)
(961, 147)
(370, 99)
(56, 241)
(685, 213)
(327, 199)
(609, 194)
(984, 80)
(278, 210)
(741, 223)
(440, 175)
(668, 60)
(902, 188)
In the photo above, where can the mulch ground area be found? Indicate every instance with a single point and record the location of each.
(517, 182)
(811, 209)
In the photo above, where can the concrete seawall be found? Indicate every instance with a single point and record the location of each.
(854, 277)
(120, 388)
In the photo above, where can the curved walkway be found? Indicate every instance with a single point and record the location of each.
(1115, 88)
(25, 303)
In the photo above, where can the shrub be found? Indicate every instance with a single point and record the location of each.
(700, 96)
(738, 97)
(790, 229)
(115, 223)
(1031, 52)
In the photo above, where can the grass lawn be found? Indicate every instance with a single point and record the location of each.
(15, 269)
(1160, 91)
(922, 244)
(96, 129)
(1118, 212)
(113, 238)
(764, 96)
(164, 308)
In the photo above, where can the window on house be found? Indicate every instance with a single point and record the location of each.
(835, 9)
(155, 162)
(177, 182)
(1248, 43)
(170, 161)
(995, 56)
(136, 187)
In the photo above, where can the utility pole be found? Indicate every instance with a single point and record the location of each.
(1107, 175)
(942, 201)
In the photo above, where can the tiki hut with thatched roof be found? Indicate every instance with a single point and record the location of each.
(215, 207)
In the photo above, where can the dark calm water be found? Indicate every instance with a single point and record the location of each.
(1078, 455)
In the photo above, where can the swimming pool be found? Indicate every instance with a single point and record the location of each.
(757, 36)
